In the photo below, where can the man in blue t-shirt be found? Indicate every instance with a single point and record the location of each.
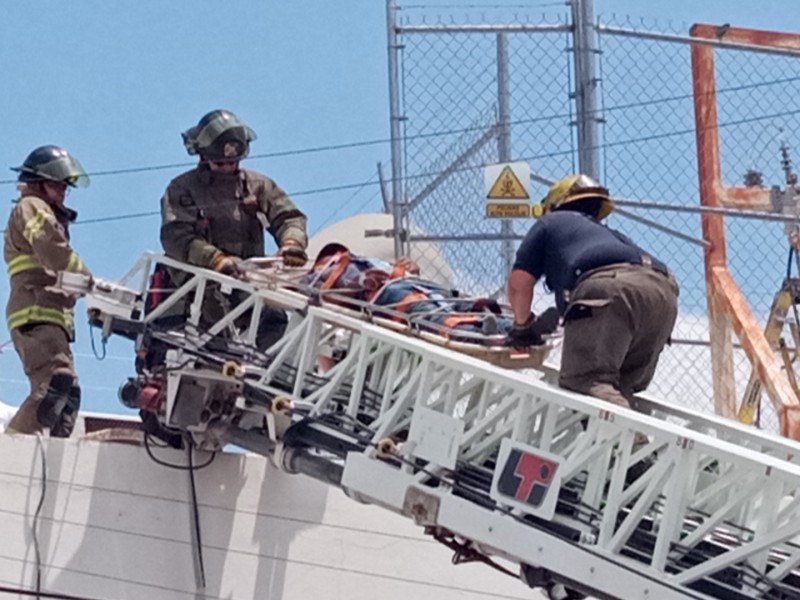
(618, 303)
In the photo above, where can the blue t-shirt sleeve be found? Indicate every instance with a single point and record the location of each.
(622, 237)
(531, 252)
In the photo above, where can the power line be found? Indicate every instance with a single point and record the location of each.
(153, 213)
(429, 134)
(344, 205)
(357, 210)
(625, 142)
(126, 217)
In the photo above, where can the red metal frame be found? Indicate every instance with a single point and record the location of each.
(728, 309)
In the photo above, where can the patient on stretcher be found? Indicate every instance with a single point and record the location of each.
(396, 292)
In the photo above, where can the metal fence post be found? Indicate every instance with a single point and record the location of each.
(586, 87)
(395, 118)
(504, 141)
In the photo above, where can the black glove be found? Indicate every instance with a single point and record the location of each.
(293, 256)
(531, 331)
(227, 265)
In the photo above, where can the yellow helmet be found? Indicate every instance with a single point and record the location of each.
(572, 188)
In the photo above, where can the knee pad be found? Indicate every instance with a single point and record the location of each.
(66, 420)
(55, 399)
(273, 318)
(74, 399)
(271, 327)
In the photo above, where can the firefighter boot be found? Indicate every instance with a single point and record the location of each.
(66, 421)
(54, 401)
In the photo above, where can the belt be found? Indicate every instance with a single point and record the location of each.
(653, 263)
(646, 261)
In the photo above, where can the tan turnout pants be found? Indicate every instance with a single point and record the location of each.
(44, 350)
(618, 320)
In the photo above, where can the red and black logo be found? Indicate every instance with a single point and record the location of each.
(526, 477)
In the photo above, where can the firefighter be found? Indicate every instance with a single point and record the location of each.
(215, 215)
(618, 303)
(36, 248)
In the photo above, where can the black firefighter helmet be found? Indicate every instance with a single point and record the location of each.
(52, 163)
(220, 136)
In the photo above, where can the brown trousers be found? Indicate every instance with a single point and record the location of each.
(44, 351)
(619, 319)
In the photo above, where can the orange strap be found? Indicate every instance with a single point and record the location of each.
(410, 298)
(342, 260)
(456, 320)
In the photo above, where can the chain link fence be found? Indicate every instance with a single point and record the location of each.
(452, 128)
(450, 105)
(650, 153)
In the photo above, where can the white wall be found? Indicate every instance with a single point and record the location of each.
(117, 525)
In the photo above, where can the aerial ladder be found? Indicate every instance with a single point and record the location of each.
(487, 454)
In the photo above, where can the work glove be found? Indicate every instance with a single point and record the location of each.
(293, 254)
(531, 331)
(227, 265)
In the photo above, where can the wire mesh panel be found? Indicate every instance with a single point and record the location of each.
(650, 153)
(453, 124)
(758, 116)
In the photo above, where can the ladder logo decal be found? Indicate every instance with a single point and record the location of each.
(526, 477)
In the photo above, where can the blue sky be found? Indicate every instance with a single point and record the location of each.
(116, 83)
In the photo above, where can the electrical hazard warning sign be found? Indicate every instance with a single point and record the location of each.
(507, 195)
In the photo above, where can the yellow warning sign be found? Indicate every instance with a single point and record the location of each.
(508, 187)
(507, 210)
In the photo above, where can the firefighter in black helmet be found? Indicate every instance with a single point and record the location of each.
(219, 136)
(36, 247)
(215, 215)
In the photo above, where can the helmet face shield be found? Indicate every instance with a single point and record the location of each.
(52, 163)
(66, 169)
(219, 135)
(231, 146)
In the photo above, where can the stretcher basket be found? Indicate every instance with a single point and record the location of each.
(492, 348)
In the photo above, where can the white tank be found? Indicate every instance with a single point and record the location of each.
(350, 232)
(6, 412)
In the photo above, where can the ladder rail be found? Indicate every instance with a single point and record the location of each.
(717, 507)
(722, 428)
(606, 424)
